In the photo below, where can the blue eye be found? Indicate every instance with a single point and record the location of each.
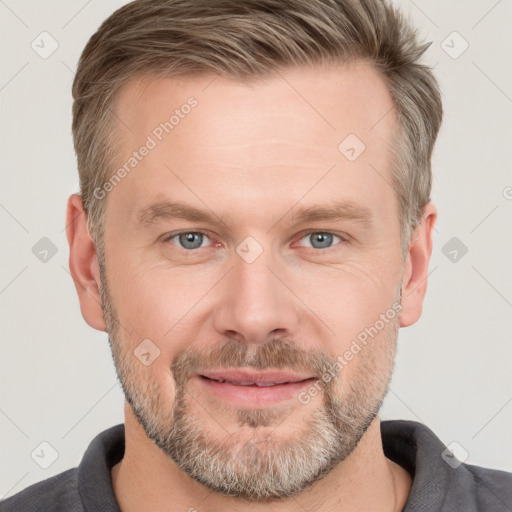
(189, 239)
(192, 240)
(320, 239)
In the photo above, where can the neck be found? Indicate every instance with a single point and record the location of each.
(146, 479)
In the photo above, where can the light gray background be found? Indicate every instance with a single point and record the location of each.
(58, 382)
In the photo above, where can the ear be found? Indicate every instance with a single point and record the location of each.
(414, 280)
(83, 263)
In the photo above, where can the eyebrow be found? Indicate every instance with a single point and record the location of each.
(339, 210)
(168, 210)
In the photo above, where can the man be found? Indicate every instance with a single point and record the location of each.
(253, 228)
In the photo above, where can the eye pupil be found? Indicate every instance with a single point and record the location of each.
(190, 240)
(324, 239)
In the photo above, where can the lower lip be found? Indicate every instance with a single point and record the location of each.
(253, 395)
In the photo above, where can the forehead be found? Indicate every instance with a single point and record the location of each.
(273, 137)
(331, 99)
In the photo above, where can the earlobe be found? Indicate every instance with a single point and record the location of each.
(83, 263)
(414, 280)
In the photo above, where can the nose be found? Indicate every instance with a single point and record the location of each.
(256, 302)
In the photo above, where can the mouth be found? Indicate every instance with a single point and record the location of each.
(254, 388)
(260, 379)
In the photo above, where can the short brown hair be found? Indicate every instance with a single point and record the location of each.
(252, 39)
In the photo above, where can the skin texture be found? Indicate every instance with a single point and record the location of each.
(254, 156)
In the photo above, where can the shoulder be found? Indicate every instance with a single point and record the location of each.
(86, 487)
(492, 487)
(56, 494)
(441, 482)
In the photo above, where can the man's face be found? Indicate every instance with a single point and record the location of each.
(258, 286)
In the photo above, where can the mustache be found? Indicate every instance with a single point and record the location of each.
(275, 354)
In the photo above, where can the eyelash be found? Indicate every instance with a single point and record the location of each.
(303, 235)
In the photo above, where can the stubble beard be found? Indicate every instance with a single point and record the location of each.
(264, 468)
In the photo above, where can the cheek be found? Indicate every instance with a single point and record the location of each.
(348, 298)
(152, 302)
(366, 361)
(166, 304)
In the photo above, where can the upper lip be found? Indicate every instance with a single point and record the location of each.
(252, 377)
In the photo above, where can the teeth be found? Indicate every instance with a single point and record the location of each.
(250, 383)
(247, 383)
